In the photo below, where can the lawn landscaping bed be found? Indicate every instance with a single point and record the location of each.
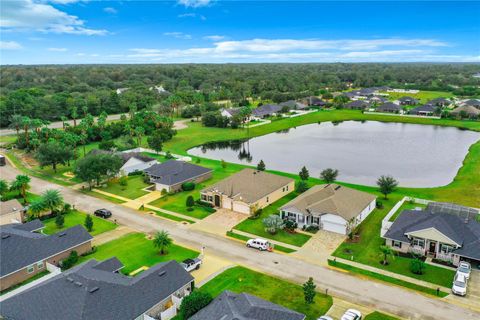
(133, 190)
(379, 316)
(255, 226)
(387, 279)
(134, 250)
(287, 294)
(74, 218)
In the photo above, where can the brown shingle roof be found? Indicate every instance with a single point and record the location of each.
(10, 206)
(249, 185)
(331, 198)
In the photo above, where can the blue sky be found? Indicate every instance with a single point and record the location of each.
(197, 31)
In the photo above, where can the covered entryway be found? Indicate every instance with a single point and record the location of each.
(217, 200)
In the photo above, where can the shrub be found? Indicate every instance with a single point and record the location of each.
(273, 223)
(312, 229)
(417, 266)
(146, 178)
(188, 186)
(194, 302)
(59, 220)
(69, 262)
(107, 145)
(190, 202)
(301, 186)
(66, 208)
(168, 155)
(256, 214)
(164, 192)
(136, 173)
(379, 205)
(202, 203)
(123, 181)
(88, 223)
(290, 225)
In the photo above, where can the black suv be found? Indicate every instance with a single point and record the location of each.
(104, 213)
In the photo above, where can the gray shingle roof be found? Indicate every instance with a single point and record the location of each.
(357, 104)
(125, 156)
(19, 247)
(292, 104)
(173, 172)
(408, 99)
(266, 109)
(112, 265)
(243, 306)
(89, 293)
(389, 106)
(425, 108)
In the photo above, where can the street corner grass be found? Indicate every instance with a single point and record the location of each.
(379, 316)
(134, 250)
(386, 279)
(287, 294)
(171, 217)
(78, 218)
(255, 226)
(240, 237)
(133, 189)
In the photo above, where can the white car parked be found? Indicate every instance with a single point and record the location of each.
(325, 318)
(464, 269)
(260, 244)
(459, 286)
(352, 314)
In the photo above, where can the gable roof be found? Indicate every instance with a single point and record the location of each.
(249, 185)
(243, 306)
(389, 106)
(472, 102)
(292, 104)
(407, 99)
(266, 109)
(425, 108)
(87, 292)
(334, 199)
(20, 247)
(232, 111)
(173, 172)
(439, 101)
(357, 104)
(125, 156)
(316, 101)
(470, 110)
(10, 206)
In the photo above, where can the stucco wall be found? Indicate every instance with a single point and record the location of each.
(404, 248)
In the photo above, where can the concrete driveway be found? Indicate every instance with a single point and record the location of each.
(472, 299)
(220, 222)
(320, 247)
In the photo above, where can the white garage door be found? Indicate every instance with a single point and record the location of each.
(241, 207)
(227, 203)
(334, 227)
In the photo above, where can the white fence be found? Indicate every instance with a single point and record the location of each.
(169, 313)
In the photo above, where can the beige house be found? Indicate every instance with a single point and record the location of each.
(331, 207)
(11, 211)
(248, 191)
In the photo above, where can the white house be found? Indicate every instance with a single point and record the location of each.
(134, 161)
(331, 207)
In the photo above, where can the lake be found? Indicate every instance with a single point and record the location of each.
(415, 155)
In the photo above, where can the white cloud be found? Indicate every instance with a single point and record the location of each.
(187, 15)
(24, 15)
(57, 49)
(110, 10)
(178, 35)
(214, 37)
(194, 3)
(65, 1)
(10, 45)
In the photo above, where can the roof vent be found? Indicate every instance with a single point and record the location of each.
(93, 289)
(162, 273)
(62, 234)
(5, 236)
(69, 279)
(337, 187)
(78, 284)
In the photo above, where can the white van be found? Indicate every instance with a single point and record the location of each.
(260, 244)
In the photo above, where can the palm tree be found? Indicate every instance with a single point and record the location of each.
(3, 187)
(74, 115)
(52, 199)
(162, 241)
(16, 123)
(386, 251)
(26, 121)
(21, 183)
(36, 207)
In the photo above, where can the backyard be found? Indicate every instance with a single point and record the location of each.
(289, 295)
(133, 189)
(134, 250)
(407, 205)
(74, 218)
(379, 316)
(256, 226)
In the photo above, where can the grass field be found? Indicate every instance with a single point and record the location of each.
(407, 205)
(256, 226)
(422, 96)
(134, 250)
(289, 295)
(131, 191)
(74, 218)
(379, 316)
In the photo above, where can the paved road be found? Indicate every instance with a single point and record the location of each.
(59, 124)
(395, 300)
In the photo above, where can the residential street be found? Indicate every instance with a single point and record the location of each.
(376, 295)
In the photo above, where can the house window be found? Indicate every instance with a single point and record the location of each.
(287, 188)
(31, 268)
(40, 265)
(283, 189)
(267, 199)
(292, 216)
(204, 197)
(445, 248)
(419, 243)
(396, 244)
(210, 198)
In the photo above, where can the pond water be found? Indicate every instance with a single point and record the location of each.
(415, 155)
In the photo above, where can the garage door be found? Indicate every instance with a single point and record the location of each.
(227, 203)
(241, 207)
(334, 227)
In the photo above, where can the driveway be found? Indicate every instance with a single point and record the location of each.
(320, 247)
(220, 222)
(472, 299)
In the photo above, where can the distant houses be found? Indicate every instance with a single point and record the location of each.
(466, 111)
(390, 107)
(131, 161)
(408, 101)
(266, 110)
(357, 105)
(425, 110)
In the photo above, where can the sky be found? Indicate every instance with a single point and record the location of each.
(208, 31)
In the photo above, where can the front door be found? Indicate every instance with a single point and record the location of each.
(433, 247)
(217, 200)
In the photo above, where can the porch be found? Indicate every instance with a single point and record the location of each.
(431, 248)
(300, 219)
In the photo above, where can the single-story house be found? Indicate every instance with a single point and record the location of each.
(171, 174)
(357, 105)
(389, 107)
(11, 211)
(443, 231)
(293, 105)
(472, 102)
(132, 161)
(408, 101)
(440, 102)
(25, 252)
(242, 306)
(315, 101)
(331, 207)
(266, 110)
(468, 110)
(425, 110)
(229, 112)
(377, 99)
(248, 190)
(93, 290)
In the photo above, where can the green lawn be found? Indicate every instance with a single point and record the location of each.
(367, 249)
(407, 205)
(379, 316)
(256, 226)
(423, 96)
(102, 196)
(131, 191)
(75, 217)
(289, 295)
(134, 250)
(245, 239)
